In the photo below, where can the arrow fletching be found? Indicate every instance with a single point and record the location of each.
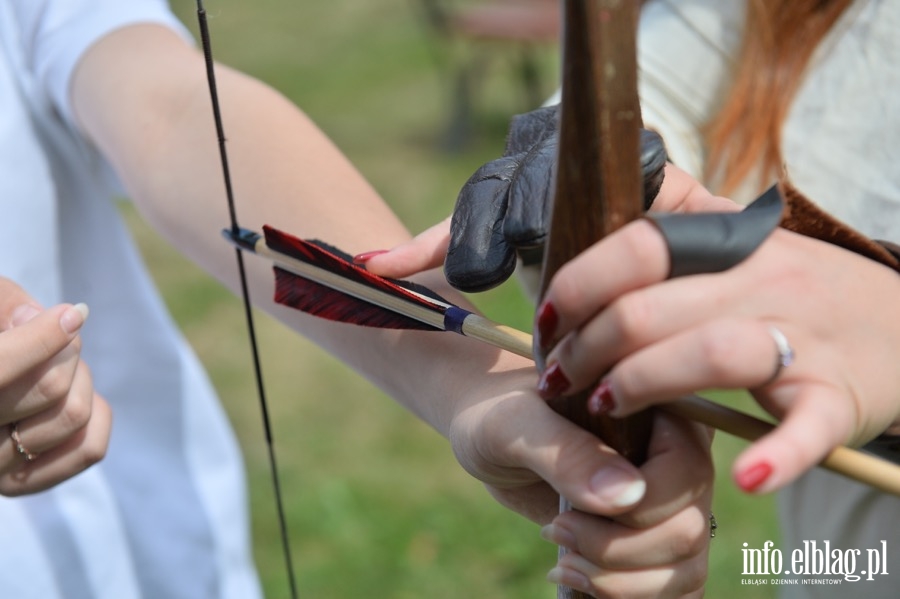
(323, 301)
(322, 280)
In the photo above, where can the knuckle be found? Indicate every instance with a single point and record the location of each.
(567, 352)
(693, 540)
(633, 315)
(76, 412)
(75, 345)
(497, 438)
(629, 383)
(569, 292)
(55, 383)
(720, 347)
(94, 451)
(472, 440)
(640, 243)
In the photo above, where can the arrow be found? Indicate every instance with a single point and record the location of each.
(311, 277)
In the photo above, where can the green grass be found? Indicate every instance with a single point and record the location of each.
(376, 504)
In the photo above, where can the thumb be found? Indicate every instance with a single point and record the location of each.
(424, 252)
(680, 192)
(577, 464)
(588, 473)
(36, 336)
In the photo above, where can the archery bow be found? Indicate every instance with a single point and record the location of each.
(599, 183)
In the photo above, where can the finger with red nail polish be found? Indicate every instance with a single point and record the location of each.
(545, 325)
(553, 382)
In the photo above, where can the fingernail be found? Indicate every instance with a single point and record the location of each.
(361, 259)
(73, 318)
(618, 487)
(602, 401)
(545, 327)
(569, 578)
(23, 314)
(553, 382)
(753, 477)
(558, 536)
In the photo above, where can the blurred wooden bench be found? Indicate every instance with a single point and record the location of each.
(476, 32)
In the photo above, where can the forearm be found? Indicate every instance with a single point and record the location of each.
(144, 101)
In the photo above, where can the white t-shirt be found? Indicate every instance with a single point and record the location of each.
(164, 515)
(842, 147)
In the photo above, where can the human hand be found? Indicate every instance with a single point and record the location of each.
(53, 424)
(502, 211)
(636, 532)
(653, 338)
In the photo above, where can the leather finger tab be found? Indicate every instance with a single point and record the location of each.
(712, 242)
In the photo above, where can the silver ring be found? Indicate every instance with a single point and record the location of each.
(20, 449)
(785, 353)
(713, 525)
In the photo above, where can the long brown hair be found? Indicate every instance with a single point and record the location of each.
(779, 38)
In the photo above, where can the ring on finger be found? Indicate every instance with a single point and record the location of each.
(785, 355)
(17, 443)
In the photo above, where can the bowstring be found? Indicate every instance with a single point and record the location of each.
(245, 295)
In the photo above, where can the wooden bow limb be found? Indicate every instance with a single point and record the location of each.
(856, 465)
(599, 182)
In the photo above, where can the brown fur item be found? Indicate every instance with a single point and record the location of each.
(804, 217)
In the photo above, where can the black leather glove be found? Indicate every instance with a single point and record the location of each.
(502, 210)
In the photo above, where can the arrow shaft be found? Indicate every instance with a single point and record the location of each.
(854, 464)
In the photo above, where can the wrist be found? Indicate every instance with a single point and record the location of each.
(478, 379)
